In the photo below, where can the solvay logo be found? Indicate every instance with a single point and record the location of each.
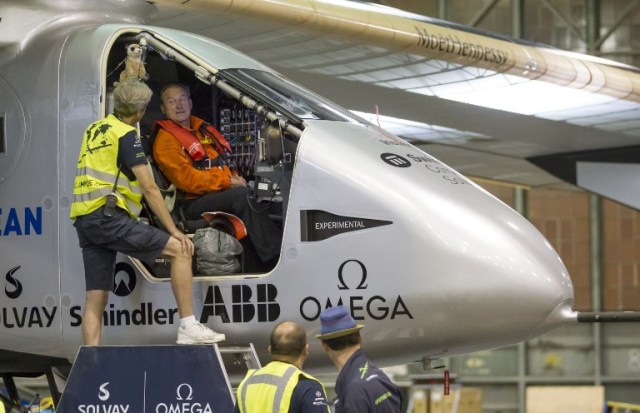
(103, 394)
(103, 406)
(13, 289)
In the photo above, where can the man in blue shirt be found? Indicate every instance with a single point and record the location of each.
(361, 387)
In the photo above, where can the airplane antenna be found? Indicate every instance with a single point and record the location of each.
(608, 316)
(428, 364)
(377, 115)
(447, 382)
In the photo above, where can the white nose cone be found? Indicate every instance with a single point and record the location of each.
(471, 272)
(495, 272)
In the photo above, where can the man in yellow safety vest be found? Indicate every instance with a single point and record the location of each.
(281, 386)
(111, 179)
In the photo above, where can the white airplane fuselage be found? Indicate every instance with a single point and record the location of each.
(432, 264)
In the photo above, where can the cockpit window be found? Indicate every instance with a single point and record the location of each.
(291, 99)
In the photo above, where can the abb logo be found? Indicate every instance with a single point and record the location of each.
(247, 304)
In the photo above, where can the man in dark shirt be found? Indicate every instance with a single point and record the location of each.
(281, 386)
(361, 387)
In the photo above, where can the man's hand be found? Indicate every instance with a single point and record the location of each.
(185, 241)
(237, 181)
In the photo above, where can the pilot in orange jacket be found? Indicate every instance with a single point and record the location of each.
(210, 185)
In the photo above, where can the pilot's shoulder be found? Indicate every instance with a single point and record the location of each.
(164, 140)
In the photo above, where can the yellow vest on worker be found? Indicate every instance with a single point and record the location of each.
(97, 170)
(270, 388)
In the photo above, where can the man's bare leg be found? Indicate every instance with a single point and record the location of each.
(94, 304)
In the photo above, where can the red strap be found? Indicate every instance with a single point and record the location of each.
(218, 139)
(187, 139)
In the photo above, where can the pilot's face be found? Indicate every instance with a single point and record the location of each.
(176, 105)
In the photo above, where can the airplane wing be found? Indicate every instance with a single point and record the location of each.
(490, 106)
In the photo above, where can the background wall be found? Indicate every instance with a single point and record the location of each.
(598, 240)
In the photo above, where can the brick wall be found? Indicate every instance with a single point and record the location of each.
(621, 257)
(563, 218)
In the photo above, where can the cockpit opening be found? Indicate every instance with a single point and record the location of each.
(260, 115)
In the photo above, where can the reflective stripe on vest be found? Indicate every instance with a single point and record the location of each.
(275, 379)
(124, 185)
(97, 170)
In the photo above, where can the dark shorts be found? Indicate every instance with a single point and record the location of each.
(101, 238)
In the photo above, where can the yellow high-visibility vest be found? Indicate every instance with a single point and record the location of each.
(97, 170)
(270, 388)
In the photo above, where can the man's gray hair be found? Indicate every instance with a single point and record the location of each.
(130, 96)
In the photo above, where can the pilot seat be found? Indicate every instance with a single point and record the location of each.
(218, 220)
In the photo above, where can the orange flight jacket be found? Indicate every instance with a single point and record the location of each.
(179, 168)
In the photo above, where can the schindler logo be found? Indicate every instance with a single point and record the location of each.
(395, 160)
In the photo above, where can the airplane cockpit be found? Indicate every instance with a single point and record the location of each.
(259, 113)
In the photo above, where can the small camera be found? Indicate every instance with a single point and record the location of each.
(110, 205)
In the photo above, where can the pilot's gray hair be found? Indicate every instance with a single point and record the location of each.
(130, 96)
(177, 85)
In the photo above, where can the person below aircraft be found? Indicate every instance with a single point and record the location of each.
(281, 386)
(361, 387)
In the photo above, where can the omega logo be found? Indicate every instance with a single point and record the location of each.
(184, 403)
(189, 390)
(363, 278)
(377, 307)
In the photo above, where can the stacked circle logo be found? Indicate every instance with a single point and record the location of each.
(395, 160)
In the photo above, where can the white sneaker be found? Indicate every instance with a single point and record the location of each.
(198, 334)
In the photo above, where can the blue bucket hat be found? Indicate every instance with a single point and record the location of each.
(337, 322)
